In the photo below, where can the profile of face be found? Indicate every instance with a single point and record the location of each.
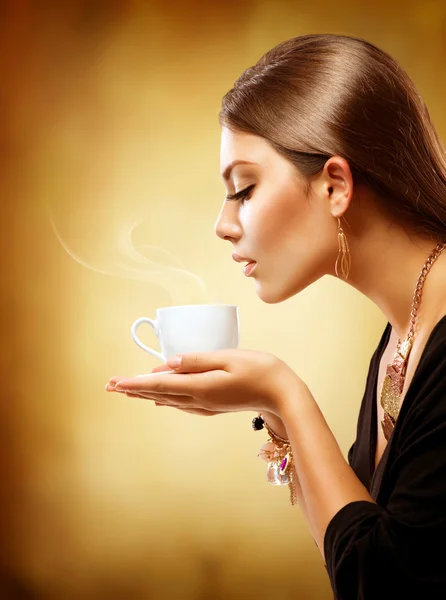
(282, 221)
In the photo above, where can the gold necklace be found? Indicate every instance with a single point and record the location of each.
(393, 384)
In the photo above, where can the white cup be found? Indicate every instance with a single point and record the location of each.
(191, 328)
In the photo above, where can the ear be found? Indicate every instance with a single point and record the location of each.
(335, 183)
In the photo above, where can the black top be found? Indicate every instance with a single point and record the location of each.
(396, 548)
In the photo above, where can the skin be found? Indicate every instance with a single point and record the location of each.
(289, 226)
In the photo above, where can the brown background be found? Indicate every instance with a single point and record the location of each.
(109, 119)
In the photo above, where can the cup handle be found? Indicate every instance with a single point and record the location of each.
(138, 342)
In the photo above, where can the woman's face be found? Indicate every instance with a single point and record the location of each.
(287, 230)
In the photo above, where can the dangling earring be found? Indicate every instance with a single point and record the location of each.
(344, 259)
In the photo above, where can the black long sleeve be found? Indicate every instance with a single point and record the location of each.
(396, 548)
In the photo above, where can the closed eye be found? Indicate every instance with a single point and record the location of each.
(242, 194)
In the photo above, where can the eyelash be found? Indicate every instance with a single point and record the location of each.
(241, 195)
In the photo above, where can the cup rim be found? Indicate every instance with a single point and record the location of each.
(197, 306)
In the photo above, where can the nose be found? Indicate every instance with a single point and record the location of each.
(227, 226)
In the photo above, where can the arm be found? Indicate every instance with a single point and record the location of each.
(327, 483)
(396, 548)
(276, 424)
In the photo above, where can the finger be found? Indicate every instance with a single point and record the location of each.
(142, 397)
(165, 399)
(110, 386)
(176, 400)
(199, 362)
(185, 407)
(161, 368)
(158, 399)
(169, 383)
(129, 395)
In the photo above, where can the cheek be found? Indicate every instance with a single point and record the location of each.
(283, 223)
(295, 239)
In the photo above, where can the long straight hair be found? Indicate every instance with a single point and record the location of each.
(317, 96)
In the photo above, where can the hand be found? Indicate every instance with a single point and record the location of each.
(222, 381)
(273, 420)
(110, 387)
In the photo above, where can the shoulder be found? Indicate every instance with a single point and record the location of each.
(423, 412)
(430, 375)
(436, 344)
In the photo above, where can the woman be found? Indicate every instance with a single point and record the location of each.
(333, 166)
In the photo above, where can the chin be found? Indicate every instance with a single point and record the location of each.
(271, 295)
(274, 294)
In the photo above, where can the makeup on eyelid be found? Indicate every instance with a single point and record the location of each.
(241, 195)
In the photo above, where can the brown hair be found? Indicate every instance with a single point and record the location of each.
(317, 96)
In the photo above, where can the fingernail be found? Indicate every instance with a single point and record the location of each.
(174, 362)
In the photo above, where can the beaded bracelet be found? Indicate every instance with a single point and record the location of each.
(279, 455)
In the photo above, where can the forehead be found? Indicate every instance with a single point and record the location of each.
(237, 145)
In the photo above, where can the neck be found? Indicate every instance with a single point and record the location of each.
(386, 264)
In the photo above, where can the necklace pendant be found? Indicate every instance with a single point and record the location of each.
(391, 393)
(404, 349)
(388, 425)
(390, 400)
(392, 388)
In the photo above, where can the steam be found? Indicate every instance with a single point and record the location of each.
(103, 240)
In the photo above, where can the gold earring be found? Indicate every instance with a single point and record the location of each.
(344, 259)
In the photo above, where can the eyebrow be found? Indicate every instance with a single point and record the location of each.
(227, 172)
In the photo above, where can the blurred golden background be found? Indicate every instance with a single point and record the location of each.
(110, 182)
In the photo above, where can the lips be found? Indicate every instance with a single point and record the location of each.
(239, 258)
(249, 268)
(250, 263)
